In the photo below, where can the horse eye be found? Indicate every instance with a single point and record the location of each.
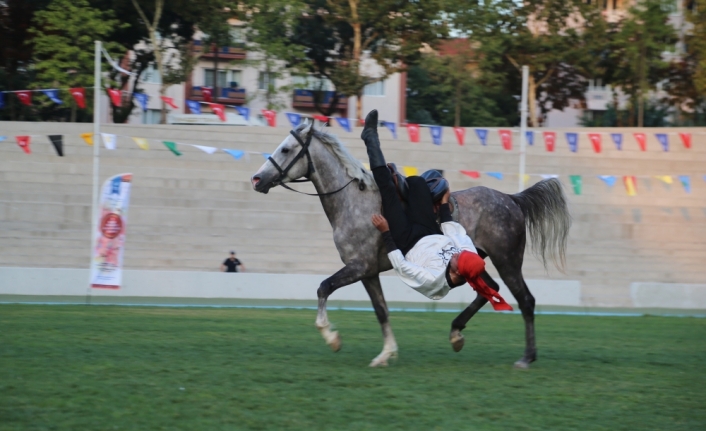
(285, 150)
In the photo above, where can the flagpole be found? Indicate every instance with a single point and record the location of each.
(523, 126)
(96, 156)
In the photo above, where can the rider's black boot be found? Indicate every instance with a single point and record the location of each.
(372, 141)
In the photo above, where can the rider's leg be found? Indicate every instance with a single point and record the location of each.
(420, 208)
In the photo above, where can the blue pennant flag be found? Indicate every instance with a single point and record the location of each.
(664, 140)
(530, 137)
(686, 182)
(53, 95)
(2, 99)
(482, 135)
(392, 127)
(618, 139)
(435, 134)
(608, 179)
(2, 138)
(266, 155)
(573, 140)
(294, 119)
(142, 99)
(343, 122)
(497, 175)
(245, 112)
(237, 154)
(194, 106)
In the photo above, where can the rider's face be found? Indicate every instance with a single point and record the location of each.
(456, 278)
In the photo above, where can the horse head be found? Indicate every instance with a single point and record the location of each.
(289, 162)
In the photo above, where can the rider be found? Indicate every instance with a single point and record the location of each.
(429, 260)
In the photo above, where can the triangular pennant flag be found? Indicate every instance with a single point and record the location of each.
(219, 110)
(410, 171)
(618, 140)
(79, 95)
(142, 99)
(169, 101)
(686, 182)
(237, 154)
(630, 185)
(23, 142)
(595, 141)
(114, 96)
(392, 127)
(322, 118)
(109, 140)
(549, 141)
(294, 118)
(641, 139)
(666, 179)
(482, 135)
(435, 134)
(573, 140)
(548, 176)
(194, 106)
(2, 99)
(142, 143)
(205, 149)
(245, 112)
(270, 116)
(206, 93)
(608, 179)
(686, 139)
(497, 175)
(172, 147)
(88, 137)
(266, 155)
(25, 97)
(576, 183)
(525, 179)
(460, 133)
(343, 122)
(506, 138)
(3, 138)
(58, 142)
(529, 137)
(472, 174)
(413, 131)
(53, 95)
(663, 140)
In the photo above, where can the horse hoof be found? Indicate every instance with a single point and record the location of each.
(382, 358)
(522, 365)
(457, 340)
(335, 343)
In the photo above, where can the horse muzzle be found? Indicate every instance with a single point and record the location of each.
(259, 185)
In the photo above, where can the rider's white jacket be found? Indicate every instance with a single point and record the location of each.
(424, 267)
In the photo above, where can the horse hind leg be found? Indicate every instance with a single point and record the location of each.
(389, 349)
(516, 283)
(459, 323)
(347, 275)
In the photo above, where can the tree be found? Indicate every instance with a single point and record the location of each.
(63, 41)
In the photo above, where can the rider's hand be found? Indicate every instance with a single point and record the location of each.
(445, 198)
(380, 223)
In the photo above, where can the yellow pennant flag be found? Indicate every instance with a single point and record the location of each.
(142, 143)
(666, 179)
(630, 185)
(525, 179)
(88, 137)
(409, 171)
(366, 166)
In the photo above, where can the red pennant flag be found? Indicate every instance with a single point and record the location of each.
(322, 118)
(413, 131)
(206, 92)
(641, 139)
(460, 134)
(506, 138)
(596, 141)
(472, 174)
(169, 101)
(25, 97)
(219, 110)
(79, 95)
(686, 139)
(270, 116)
(114, 96)
(549, 141)
(23, 142)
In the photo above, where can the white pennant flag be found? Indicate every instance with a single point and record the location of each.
(205, 149)
(108, 140)
(547, 176)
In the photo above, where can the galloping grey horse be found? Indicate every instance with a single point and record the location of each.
(495, 221)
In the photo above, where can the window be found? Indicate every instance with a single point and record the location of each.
(222, 78)
(375, 89)
(308, 82)
(151, 75)
(151, 116)
(236, 79)
(265, 80)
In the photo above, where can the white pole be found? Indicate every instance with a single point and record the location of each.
(96, 150)
(523, 126)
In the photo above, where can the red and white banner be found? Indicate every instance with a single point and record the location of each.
(206, 92)
(79, 95)
(413, 130)
(641, 139)
(550, 141)
(460, 133)
(107, 261)
(219, 110)
(270, 116)
(596, 141)
(686, 139)
(169, 101)
(25, 97)
(114, 96)
(506, 138)
(23, 142)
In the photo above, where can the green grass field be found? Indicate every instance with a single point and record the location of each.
(145, 368)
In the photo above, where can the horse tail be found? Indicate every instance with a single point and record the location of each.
(547, 219)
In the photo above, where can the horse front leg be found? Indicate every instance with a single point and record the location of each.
(459, 323)
(349, 274)
(389, 348)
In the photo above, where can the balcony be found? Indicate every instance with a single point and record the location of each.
(228, 96)
(233, 52)
(304, 99)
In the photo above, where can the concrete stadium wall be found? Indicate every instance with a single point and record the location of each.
(187, 212)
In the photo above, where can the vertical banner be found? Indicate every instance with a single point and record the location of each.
(107, 261)
(79, 95)
(529, 137)
(206, 92)
(142, 99)
(23, 142)
(630, 185)
(58, 142)
(573, 140)
(25, 97)
(618, 140)
(663, 140)
(460, 133)
(391, 127)
(595, 141)
(506, 138)
(549, 141)
(219, 110)
(435, 134)
(194, 106)
(109, 140)
(641, 139)
(114, 96)
(482, 135)
(294, 118)
(686, 139)
(270, 116)
(245, 112)
(576, 183)
(413, 130)
(343, 122)
(53, 94)
(169, 101)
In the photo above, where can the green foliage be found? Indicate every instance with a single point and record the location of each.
(656, 115)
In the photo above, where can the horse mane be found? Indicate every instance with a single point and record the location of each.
(353, 166)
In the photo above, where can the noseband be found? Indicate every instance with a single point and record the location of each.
(310, 166)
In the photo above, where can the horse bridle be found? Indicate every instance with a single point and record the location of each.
(310, 166)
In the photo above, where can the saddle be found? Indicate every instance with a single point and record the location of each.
(435, 181)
